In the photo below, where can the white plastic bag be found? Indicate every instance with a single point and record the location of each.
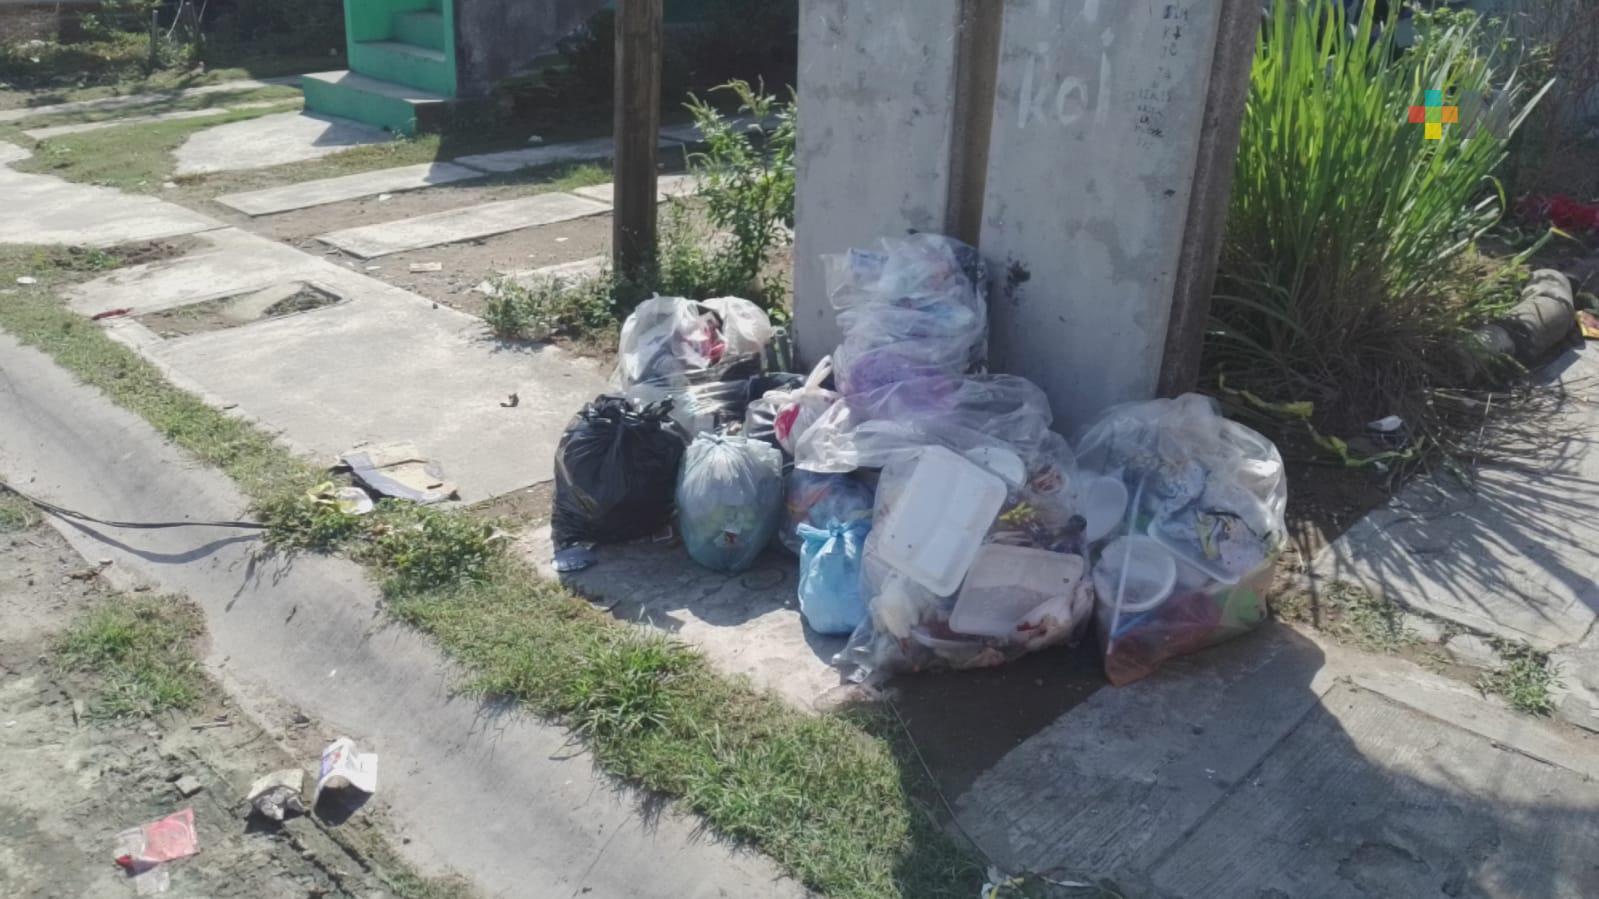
(792, 412)
(664, 339)
(746, 328)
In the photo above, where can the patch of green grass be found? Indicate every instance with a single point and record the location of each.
(16, 514)
(1349, 614)
(837, 799)
(1526, 678)
(140, 653)
(69, 80)
(583, 310)
(136, 158)
(218, 100)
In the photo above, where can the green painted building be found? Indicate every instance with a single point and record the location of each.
(408, 58)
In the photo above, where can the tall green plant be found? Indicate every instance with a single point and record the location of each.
(746, 175)
(1346, 223)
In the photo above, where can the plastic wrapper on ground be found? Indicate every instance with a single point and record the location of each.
(1193, 556)
(729, 500)
(615, 472)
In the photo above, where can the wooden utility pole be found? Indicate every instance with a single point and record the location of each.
(637, 130)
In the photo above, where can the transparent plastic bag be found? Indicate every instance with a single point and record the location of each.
(830, 576)
(1000, 413)
(664, 339)
(729, 500)
(746, 328)
(915, 309)
(1203, 526)
(821, 500)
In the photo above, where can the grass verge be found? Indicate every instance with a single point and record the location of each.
(141, 653)
(1526, 678)
(135, 158)
(836, 799)
(218, 100)
(1349, 614)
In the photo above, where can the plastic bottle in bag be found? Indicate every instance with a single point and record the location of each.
(729, 500)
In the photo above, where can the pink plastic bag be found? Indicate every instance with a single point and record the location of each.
(168, 839)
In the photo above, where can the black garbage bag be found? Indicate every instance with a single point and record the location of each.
(616, 471)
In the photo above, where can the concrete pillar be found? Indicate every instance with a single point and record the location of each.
(1111, 130)
(1099, 116)
(876, 113)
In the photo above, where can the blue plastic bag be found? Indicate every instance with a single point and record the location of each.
(830, 576)
(821, 500)
(729, 500)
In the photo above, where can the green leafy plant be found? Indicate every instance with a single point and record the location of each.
(584, 309)
(746, 175)
(1527, 679)
(423, 548)
(1339, 281)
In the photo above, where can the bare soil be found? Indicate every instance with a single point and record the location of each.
(69, 785)
(231, 312)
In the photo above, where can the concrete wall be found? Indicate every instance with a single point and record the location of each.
(1096, 132)
(876, 81)
(494, 39)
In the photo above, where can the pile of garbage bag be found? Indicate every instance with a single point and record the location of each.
(939, 520)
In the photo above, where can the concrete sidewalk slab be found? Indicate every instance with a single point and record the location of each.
(1276, 766)
(667, 187)
(272, 140)
(505, 161)
(1513, 554)
(389, 366)
(227, 262)
(127, 101)
(81, 127)
(508, 801)
(456, 225)
(307, 194)
(747, 623)
(41, 209)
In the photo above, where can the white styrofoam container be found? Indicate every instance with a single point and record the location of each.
(938, 521)
(1007, 584)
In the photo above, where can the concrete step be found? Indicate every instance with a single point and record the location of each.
(400, 108)
(420, 67)
(420, 29)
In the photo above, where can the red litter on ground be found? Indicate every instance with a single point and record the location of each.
(168, 839)
(109, 313)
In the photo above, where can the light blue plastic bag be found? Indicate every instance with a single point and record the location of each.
(830, 576)
(729, 500)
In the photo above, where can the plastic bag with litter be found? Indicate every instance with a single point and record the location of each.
(821, 500)
(1192, 557)
(672, 342)
(1003, 415)
(729, 500)
(829, 580)
(913, 309)
(615, 471)
(790, 413)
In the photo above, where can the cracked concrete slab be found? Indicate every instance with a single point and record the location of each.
(42, 209)
(667, 187)
(383, 366)
(456, 225)
(307, 194)
(1511, 556)
(1276, 766)
(272, 140)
